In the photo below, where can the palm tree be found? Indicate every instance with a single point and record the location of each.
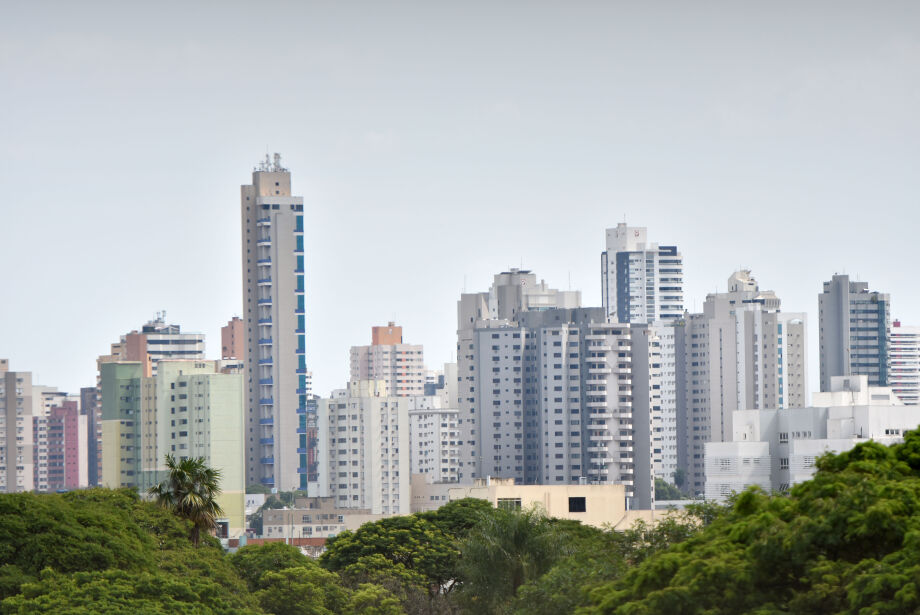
(190, 491)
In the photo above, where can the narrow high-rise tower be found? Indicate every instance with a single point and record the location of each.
(854, 328)
(641, 282)
(276, 381)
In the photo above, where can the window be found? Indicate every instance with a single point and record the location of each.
(577, 505)
(509, 503)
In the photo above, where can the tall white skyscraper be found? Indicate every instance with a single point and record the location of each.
(741, 353)
(854, 326)
(276, 382)
(641, 282)
(904, 374)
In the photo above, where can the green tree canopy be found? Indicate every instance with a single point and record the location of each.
(253, 561)
(847, 541)
(416, 544)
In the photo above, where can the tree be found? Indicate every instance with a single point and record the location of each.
(507, 549)
(680, 477)
(191, 491)
(667, 491)
(371, 599)
(253, 561)
(302, 590)
(847, 541)
(415, 543)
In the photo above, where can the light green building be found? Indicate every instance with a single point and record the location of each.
(189, 409)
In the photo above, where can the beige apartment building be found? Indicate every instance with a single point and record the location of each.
(387, 358)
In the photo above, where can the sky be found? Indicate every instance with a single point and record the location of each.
(436, 144)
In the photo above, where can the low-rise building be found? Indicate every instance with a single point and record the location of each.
(775, 449)
(318, 517)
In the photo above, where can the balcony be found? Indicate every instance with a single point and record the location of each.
(299, 311)
(265, 321)
(267, 441)
(301, 451)
(600, 415)
(599, 370)
(264, 261)
(266, 301)
(300, 370)
(265, 341)
(264, 221)
(267, 480)
(301, 410)
(599, 471)
(601, 438)
(264, 242)
(596, 404)
(268, 421)
(300, 351)
(264, 281)
(302, 430)
(267, 401)
(266, 381)
(267, 460)
(267, 361)
(301, 391)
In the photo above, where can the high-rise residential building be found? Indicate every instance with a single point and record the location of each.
(777, 448)
(276, 382)
(434, 437)
(854, 325)
(364, 448)
(17, 464)
(43, 439)
(233, 339)
(388, 358)
(904, 369)
(741, 353)
(641, 282)
(68, 459)
(189, 409)
(665, 434)
(548, 394)
(92, 410)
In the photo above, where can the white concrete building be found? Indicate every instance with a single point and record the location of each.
(741, 353)
(641, 282)
(387, 358)
(434, 439)
(665, 419)
(364, 448)
(547, 395)
(775, 449)
(854, 326)
(277, 383)
(904, 369)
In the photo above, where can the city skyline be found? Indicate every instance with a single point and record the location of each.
(127, 205)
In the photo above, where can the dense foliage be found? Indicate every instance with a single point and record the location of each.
(846, 542)
(103, 551)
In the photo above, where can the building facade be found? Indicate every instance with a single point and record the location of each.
(189, 409)
(233, 339)
(854, 326)
(549, 396)
(364, 448)
(388, 358)
(741, 353)
(904, 369)
(641, 282)
(276, 382)
(777, 448)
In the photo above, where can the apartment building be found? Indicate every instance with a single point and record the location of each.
(641, 282)
(277, 382)
(777, 448)
(904, 362)
(854, 327)
(387, 358)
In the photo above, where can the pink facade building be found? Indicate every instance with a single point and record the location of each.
(68, 466)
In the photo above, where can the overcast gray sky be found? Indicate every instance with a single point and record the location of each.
(436, 144)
